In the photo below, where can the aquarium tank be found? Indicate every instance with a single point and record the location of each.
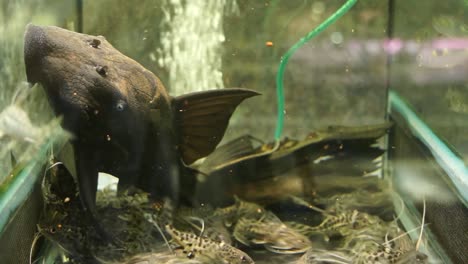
(233, 131)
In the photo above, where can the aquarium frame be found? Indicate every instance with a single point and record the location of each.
(449, 161)
(21, 186)
(419, 141)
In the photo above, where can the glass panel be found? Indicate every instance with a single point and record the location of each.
(430, 65)
(27, 126)
(29, 108)
(319, 193)
(336, 78)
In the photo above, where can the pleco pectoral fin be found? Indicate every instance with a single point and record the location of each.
(87, 179)
(87, 174)
(201, 118)
(232, 150)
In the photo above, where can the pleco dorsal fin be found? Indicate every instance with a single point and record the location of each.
(201, 118)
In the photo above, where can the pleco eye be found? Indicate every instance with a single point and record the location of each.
(120, 106)
(102, 70)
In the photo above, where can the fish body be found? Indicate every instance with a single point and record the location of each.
(274, 235)
(352, 149)
(319, 256)
(197, 246)
(165, 257)
(240, 209)
(123, 120)
(366, 244)
(369, 252)
(194, 245)
(252, 224)
(360, 200)
(345, 224)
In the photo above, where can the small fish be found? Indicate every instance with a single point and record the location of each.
(368, 251)
(343, 224)
(360, 200)
(319, 256)
(254, 225)
(270, 232)
(365, 239)
(413, 257)
(166, 257)
(382, 243)
(122, 119)
(241, 208)
(194, 245)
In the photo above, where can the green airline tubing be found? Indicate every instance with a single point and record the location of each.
(285, 58)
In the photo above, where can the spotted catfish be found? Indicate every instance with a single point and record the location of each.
(123, 120)
(343, 224)
(194, 245)
(197, 246)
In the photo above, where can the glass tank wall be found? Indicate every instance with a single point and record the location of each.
(431, 62)
(428, 85)
(32, 111)
(338, 78)
(27, 126)
(327, 191)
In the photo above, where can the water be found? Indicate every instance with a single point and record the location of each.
(337, 79)
(191, 47)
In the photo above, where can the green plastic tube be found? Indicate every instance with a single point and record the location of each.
(285, 58)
